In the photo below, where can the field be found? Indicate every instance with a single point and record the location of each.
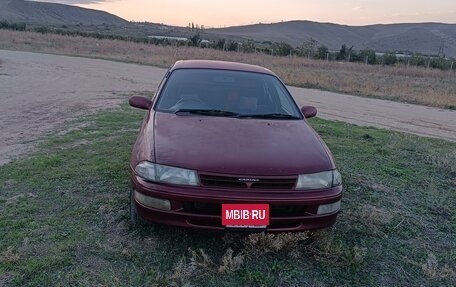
(64, 207)
(64, 218)
(412, 85)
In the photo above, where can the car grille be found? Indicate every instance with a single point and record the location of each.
(237, 182)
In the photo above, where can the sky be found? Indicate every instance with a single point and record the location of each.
(215, 13)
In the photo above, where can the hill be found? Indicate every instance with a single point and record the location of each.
(425, 38)
(42, 13)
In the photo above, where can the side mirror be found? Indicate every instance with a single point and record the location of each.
(140, 102)
(309, 111)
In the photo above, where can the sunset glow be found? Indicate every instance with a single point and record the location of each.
(239, 12)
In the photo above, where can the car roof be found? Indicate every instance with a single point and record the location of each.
(220, 65)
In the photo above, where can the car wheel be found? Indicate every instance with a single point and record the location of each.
(135, 218)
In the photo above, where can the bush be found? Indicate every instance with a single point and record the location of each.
(369, 55)
(439, 63)
(343, 53)
(42, 30)
(196, 40)
(231, 46)
(12, 26)
(322, 51)
(282, 49)
(389, 59)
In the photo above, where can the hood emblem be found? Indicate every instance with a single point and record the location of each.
(249, 179)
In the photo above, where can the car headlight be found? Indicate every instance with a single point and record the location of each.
(320, 180)
(167, 174)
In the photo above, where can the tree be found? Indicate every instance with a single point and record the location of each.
(322, 51)
(232, 46)
(308, 47)
(220, 44)
(248, 46)
(42, 30)
(342, 55)
(196, 39)
(389, 59)
(282, 49)
(369, 56)
(12, 26)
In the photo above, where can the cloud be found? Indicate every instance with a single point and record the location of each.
(412, 17)
(73, 2)
(357, 8)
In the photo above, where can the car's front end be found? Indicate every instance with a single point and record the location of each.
(200, 206)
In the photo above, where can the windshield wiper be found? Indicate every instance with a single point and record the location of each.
(208, 112)
(270, 116)
(222, 113)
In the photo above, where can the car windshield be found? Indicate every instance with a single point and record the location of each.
(226, 93)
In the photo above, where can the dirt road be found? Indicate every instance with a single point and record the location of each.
(39, 92)
(415, 119)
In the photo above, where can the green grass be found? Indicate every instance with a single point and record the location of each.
(64, 218)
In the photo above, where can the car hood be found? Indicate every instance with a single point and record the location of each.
(239, 146)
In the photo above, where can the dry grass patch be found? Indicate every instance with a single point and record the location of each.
(326, 249)
(433, 271)
(264, 243)
(408, 84)
(200, 264)
(230, 263)
(374, 216)
(445, 163)
(9, 255)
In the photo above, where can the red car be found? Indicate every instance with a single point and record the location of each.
(224, 146)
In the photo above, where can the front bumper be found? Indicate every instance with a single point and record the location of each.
(200, 208)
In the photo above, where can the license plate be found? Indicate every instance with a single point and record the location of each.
(245, 216)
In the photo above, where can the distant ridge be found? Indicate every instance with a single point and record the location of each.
(425, 38)
(43, 13)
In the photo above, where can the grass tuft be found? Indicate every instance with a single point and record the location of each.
(433, 270)
(264, 243)
(9, 255)
(230, 263)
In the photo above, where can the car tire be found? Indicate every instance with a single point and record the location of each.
(135, 218)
